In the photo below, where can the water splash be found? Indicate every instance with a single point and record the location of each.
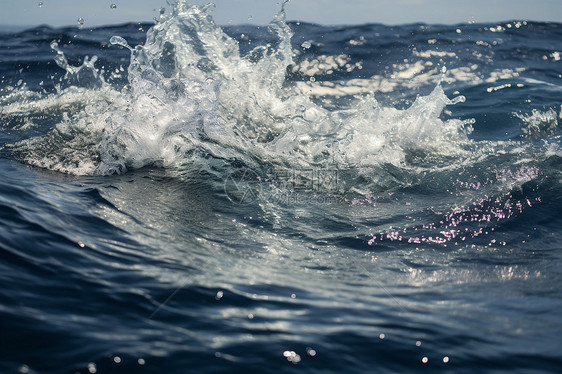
(85, 75)
(192, 93)
(539, 124)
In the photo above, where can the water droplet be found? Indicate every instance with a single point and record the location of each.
(117, 359)
(425, 360)
(382, 336)
(162, 11)
(118, 40)
(445, 359)
(141, 361)
(306, 45)
(219, 296)
(40, 5)
(80, 21)
(250, 18)
(113, 6)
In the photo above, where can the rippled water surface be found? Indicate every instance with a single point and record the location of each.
(181, 197)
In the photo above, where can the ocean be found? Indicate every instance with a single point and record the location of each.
(181, 197)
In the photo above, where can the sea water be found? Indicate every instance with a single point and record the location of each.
(183, 197)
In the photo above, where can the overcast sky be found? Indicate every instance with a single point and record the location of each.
(329, 12)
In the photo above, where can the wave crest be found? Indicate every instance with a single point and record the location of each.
(191, 93)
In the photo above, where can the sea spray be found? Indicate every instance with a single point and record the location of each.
(192, 94)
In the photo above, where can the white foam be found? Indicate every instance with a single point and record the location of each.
(191, 93)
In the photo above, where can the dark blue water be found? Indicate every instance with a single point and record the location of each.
(323, 206)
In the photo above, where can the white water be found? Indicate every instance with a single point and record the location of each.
(192, 93)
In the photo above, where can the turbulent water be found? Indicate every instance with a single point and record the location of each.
(182, 197)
